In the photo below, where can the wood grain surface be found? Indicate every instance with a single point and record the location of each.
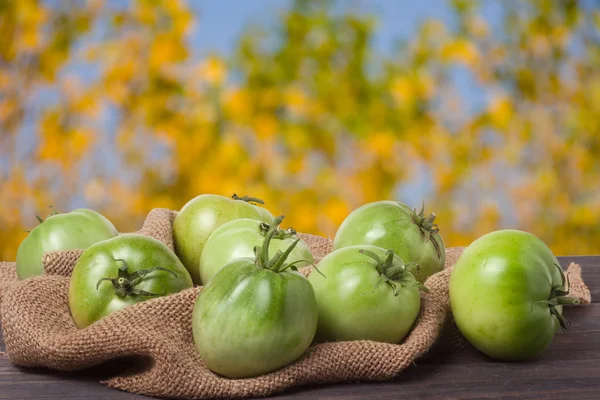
(569, 369)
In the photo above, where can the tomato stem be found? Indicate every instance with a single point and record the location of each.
(261, 253)
(248, 199)
(278, 263)
(382, 279)
(263, 257)
(568, 300)
(279, 233)
(559, 295)
(125, 283)
(393, 271)
(40, 220)
(292, 266)
(427, 227)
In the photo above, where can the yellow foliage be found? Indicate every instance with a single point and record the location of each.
(382, 144)
(238, 104)
(336, 210)
(304, 217)
(265, 125)
(64, 147)
(30, 16)
(402, 89)
(213, 71)
(296, 100)
(316, 125)
(6, 109)
(164, 51)
(298, 138)
(460, 50)
(500, 111)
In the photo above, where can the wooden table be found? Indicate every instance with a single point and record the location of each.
(569, 369)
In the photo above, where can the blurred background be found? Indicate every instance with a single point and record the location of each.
(488, 111)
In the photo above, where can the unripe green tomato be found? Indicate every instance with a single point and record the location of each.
(392, 225)
(238, 238)
(354, 303)
(120, 272)
(77, 229)
(199, 218)
(501, 290)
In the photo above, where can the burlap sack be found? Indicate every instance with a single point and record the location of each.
(157, 334)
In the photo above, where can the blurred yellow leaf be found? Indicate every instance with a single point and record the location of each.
(213, 71)
(460, 50)
(500, 111)
(266, 126)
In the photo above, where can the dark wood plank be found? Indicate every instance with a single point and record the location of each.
(570, 369)
(41, 383)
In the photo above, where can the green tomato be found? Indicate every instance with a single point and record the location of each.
(237, 239)
(78, 229)
(120, 272)
(365, 293)
(393, 225)
(506, 292)
(201, 216)
(255, 315)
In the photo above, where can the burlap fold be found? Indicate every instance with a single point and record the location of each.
(39, 331)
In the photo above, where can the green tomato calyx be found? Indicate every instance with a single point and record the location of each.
(394, 272)
(427, 227)
(278, 262)
(279, 233)
(125, 284)
(559, 296)
(247, 199)
(41, 221)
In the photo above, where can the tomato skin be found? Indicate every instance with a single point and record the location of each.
(494, 288)
(200, 217)
(237, 239)
(77, 229)
(390, 225)
(349, 306)
(248, 321)
(140, 252)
